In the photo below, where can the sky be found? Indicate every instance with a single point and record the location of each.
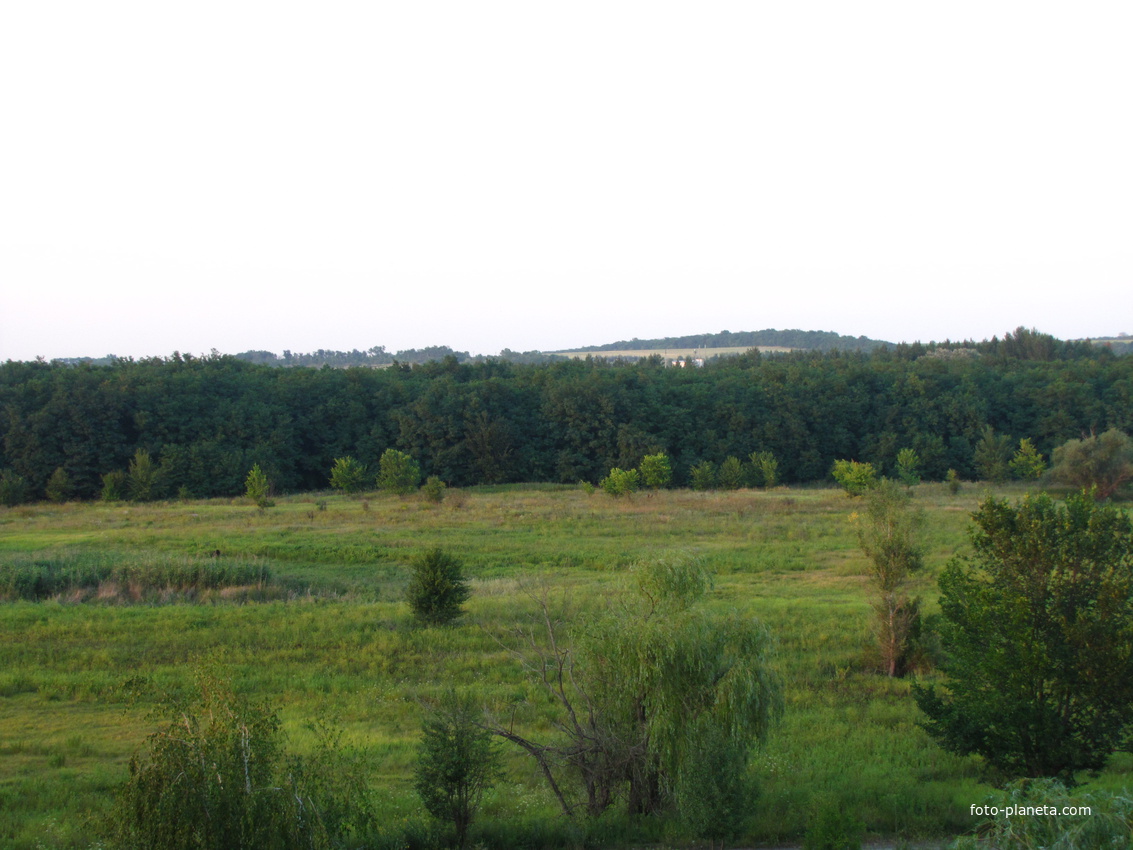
(535, 175)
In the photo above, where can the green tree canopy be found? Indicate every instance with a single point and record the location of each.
(656, 471)
(398, 472)
(348, 475)
(1104, 462)
(1038, 625)
(437, 589)
(456, 762)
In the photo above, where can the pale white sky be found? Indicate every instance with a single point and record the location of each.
(239, 175)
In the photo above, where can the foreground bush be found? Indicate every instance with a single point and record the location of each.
(456, 762)
(218, 776)
(1040, 817)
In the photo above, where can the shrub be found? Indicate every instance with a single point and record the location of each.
(398, 472)
(992, 456)
(953, 482)
(764, 469)
(257, 487)
(58, 486)
(142, 477)
(348, 475)
(114, 486)
(1108, 823)
(731, 474)
(217, 776)
(620, 482)
(703, 475)
(434, 490)
(1027, 464)
(854, 477)
(437, 588)
(1104, 462)
(908, 467)
(456, 763)
(656, 471)
(832, 828)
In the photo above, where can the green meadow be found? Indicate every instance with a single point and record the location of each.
(301, 605)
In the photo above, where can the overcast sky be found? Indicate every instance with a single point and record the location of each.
(232, 175)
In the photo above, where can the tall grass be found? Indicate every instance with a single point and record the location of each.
(349, 651)
(76, 575)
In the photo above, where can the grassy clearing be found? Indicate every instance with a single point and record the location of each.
(339, 642)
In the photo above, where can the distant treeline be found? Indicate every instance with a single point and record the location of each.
(810, 340)
(376, 357)
(206, 421)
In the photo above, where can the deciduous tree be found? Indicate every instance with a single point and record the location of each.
(889, 535)
(348, 475)
(437, 589)
(456, 762)
(1104, 462)
(398, 472)
(1038, 625)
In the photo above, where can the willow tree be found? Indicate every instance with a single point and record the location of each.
(648, 690)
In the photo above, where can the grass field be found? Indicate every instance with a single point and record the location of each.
(313, 621)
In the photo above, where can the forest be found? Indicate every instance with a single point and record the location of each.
(205, 421)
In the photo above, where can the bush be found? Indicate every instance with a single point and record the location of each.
(1027, 464)
(59, 487)
(257, 487)
(437, 588)
(731, 474)
(1103, 462)
(142, 477)
(114, 486)
(703, 475)
(348, 475)
(764, 470)
(854, 477)
(620, 482)
(456, 763)
(992, 456)
(908, 467)
(398, 473)
(832, 828)
(953, 482)
(434, 490)
(217, 776)
(656, 471)
(1109, 822)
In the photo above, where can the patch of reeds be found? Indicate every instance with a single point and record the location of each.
(79, 576)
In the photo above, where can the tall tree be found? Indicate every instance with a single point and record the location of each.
(1038, 625)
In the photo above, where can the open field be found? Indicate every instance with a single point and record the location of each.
(328, 636)
(671, 353)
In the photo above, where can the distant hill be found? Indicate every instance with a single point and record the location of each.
(811, 340)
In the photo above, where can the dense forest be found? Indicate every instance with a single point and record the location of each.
(810, 340)
(206, 421)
